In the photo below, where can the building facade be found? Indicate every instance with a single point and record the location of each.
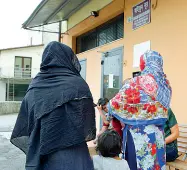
(17, 68)
(109, 36)
(108, 43)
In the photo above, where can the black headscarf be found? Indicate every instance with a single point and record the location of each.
(59, 80)
(51, 93)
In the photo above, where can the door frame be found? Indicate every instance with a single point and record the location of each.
(84, 59)
(121, 66)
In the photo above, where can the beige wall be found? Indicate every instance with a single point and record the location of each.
(167, 33)
(83, 13)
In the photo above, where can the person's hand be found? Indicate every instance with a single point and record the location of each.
(99, 108)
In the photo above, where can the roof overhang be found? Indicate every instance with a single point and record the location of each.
(52, 11)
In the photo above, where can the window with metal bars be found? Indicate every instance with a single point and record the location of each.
(108, 32)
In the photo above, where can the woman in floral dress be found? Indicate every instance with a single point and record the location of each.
(142, 106)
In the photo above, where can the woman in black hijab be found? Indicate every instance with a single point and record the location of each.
(57, 115)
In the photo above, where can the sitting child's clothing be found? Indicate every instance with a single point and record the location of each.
(107, 163)
(117, 126)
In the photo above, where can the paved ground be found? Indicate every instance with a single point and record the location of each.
(11, 158)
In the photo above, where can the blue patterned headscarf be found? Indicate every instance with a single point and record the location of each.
(154, 66)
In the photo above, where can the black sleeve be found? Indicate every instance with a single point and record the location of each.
(20, 133)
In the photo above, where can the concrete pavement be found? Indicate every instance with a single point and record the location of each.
(11, 158)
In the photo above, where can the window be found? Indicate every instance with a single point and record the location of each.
(108, 32)
(22, 67)
(16, 92)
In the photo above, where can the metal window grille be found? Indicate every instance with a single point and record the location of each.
(108, 32)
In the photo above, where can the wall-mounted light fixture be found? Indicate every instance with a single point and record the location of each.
(94, 13)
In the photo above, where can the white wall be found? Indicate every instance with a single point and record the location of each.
(7, 59)
(2, 91)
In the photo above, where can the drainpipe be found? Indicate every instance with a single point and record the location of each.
(8, 90)
(60, 31)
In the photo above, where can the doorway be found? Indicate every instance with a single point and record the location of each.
(111, 76)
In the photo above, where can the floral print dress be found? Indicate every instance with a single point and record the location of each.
(144, 118)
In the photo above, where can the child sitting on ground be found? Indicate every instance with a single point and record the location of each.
(109, 147)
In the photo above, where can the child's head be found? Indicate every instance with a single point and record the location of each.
(103, 103)
(109, 144)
